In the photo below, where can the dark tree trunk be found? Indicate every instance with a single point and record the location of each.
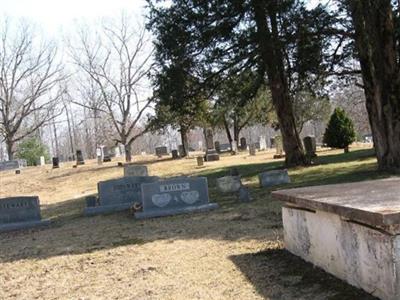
(375, 41)
(128, 152)
(273, 63)
(185, 142)
(228, 132)
(10, 149)
(236, 132)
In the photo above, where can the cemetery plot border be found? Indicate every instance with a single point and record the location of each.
(20, 213)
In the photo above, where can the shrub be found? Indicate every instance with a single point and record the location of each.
(340, 130)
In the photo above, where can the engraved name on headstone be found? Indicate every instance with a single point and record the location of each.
(20, 212)
(175, 196)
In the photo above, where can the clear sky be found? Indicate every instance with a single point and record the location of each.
(55, 16)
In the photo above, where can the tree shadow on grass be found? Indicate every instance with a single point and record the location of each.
(278, 274)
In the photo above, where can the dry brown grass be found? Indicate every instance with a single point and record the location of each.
(234, 252)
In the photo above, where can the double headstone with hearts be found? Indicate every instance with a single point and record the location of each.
(20, 212)
(175, 196)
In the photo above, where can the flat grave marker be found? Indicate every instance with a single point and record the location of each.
(274, 177)
(135, 170)
(229, 184)
(175, 196)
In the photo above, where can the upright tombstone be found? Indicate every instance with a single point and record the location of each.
(243, 143)
(175, 154)
(310, 146)
(272, 142)
(42, 161)
(12, 164)
(252, 149)
(229, 184)
(200, 161)
(279, 147)
(79, 158)
(211, 153)
(56, 163)
(175, 196)
(135, 170)
(99, 156)
(106, 154)
(217, 146)
(161, 151)
(118, 194)
(20, 212)
(263, 143)
(275, 177)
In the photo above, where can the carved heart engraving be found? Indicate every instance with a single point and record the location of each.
(190, 197)
(161, 200)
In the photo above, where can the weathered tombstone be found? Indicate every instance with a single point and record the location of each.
(224, 147)
(350, 230)
(252, 149)
(275, 177)
(79, 158)
(217, 146)
(135, 170)
(106, 154)
(243, 143)
(310, 146)
(175, 196)
(17, 172)
(272, 142)
(42, 161)
(228, 184)
(211, 153)
(175, 154)
(160, 151)
(56, 162)
(200, 161)
(20, 212)
(263, 143)
(279, 147)
(12, 164)
(118, 194)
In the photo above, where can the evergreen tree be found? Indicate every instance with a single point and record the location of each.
(32, 149)
(340, 131)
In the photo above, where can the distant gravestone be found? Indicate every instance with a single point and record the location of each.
(310, 146)
(252, 149)
(56, 163)
(263, 143)
(217, 146)
(118, 194)
(275, 177)
(175, 196)
(135, 170)
(79, 158)
(272, 142)
(106, 154)
(12, 164)
(228, 184)
(279, 147)
(181, 151)
(42, 161)
(224, 147)
(211, 153)
(200, 161)
(175, 154)
(19, 213)
(160, 151)
(243, 143)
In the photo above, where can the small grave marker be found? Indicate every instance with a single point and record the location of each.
(275, 177)
(160, 151)
(228, 184)
(175, 154)
(175, 196)
(135, 170)
(79, 158)
(56, 163)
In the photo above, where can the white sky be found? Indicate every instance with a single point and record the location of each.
(54, 16)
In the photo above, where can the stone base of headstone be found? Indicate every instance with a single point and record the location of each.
(23, 225)
(106, 209)
(177, 211)
(107, 159)
(78, 163)
(275, 177)
(211, 155)
(228, 184)
(277, 156)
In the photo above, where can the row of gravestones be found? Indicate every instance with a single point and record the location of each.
(149, 196)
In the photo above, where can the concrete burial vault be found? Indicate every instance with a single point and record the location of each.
(350, 230)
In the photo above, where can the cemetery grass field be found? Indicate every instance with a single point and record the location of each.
(235, 252)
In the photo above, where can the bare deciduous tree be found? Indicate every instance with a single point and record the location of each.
(29, 73)
(117, 59)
